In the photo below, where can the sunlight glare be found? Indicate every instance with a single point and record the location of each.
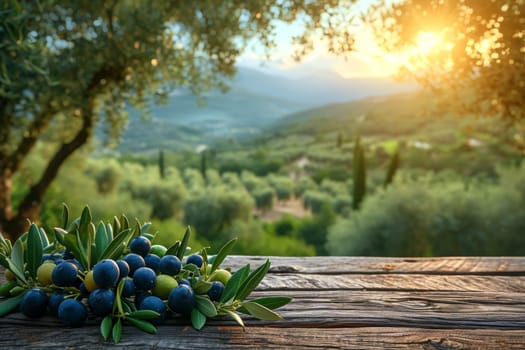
(426, 42)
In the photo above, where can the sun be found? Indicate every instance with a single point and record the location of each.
(426, 42)
(426, 49)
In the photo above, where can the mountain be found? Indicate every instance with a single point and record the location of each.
(255, 101)
(318, 87)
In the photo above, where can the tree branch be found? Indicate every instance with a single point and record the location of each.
(14, 160)
(33, 198)
(6, 114)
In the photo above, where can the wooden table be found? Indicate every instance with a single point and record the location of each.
(340, 302)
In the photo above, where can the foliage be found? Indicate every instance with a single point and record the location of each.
(315, 200)
(315, 230)
(392, 168)
(358, 174)
(232, 180)
(333, 188)
(282, 185)
(304, 184)
(106, 175)
(253, 239)
(342, 204)
(162, 165)
(193, 179)
(287, 225)
(480, 49)
(71, 67)
(252, 181)
(166, 197)
(212, 210)
(437, 216)
(264, 197)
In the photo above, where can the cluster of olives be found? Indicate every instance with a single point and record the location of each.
(152, 280)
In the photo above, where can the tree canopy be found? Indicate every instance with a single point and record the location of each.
(475, 50)
(67, 67)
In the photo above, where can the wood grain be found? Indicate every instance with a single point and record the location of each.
(364, 308)
(336, 265)
(227, 337)
(339, 303)
(412, 282)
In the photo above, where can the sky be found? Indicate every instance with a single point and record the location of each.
(368, 60)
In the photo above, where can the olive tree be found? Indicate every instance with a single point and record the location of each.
(68, 66)
(477, 55)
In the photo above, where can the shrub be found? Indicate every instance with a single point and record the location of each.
(165, 196)
(251, 181)
(263, 197)
(282, 185)
(314, 230)
(107, 176)
(303, 184)
(253, 240)
(213, 210)
(315, 200)
(442, 216)
(286, 226)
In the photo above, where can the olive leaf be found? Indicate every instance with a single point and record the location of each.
(205, 305)
(236, 317)
(65, 215)
(10, 304)
(144, 314)
(34, 250)
(43, 237)
(117, 331)
(59, 234)
(126, 307)
(71, 241)
(173, 249)
(198, 319)
(143, 325)
(109, 232)
(124, 222)
(85, 220)
(106, 326)
(183, 244)
(17, 254)
(144, 228)
(269, 302)
(5, 247)
(116, 225)
(201, 287)
(222, 254)
(234, 283)
(16, 262)
(252, 281)
(117, 245)
(261, 312)
(138, 229)
(101, 241)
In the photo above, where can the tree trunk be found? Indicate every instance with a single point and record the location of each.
(5, 202)
(13, 225)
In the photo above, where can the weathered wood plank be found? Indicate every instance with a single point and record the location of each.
(336, 265)
(380, 265)
(416, 282)
(340, 308)
(227, 337)
(340, 302)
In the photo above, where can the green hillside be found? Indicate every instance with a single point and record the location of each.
(428, 138)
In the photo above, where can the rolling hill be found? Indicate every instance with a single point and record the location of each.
(428, 138)
(256, 101)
